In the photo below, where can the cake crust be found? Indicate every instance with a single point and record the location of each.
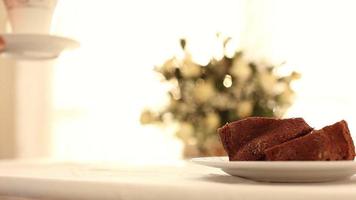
(248, 139)
(333, 142)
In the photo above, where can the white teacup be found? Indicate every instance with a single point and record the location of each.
(30, 16)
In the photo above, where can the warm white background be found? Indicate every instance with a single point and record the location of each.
(100, 89)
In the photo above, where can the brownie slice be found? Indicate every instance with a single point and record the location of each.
(333, 142)
(247, 139)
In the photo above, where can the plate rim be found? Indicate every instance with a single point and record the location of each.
(219, 163)
(282, 171)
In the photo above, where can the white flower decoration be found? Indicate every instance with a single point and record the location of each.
(212, 120)
(168, 66)
(244, 108)
(268, 82)
(240, 69)
(185, 131)
(190, 70)
(203, 91)
(286, 96)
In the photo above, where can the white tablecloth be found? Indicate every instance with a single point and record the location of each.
(182, 181)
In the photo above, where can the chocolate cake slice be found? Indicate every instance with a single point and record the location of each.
(248, 139)
(333, 142)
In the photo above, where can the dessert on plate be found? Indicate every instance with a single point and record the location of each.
(247, 139)
(260, 138)
(332, 142)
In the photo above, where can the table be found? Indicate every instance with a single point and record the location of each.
(183, 180)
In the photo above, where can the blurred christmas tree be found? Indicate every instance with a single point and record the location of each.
(204, 98)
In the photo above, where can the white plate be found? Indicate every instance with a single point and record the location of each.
(35, 46)
(283, 171)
